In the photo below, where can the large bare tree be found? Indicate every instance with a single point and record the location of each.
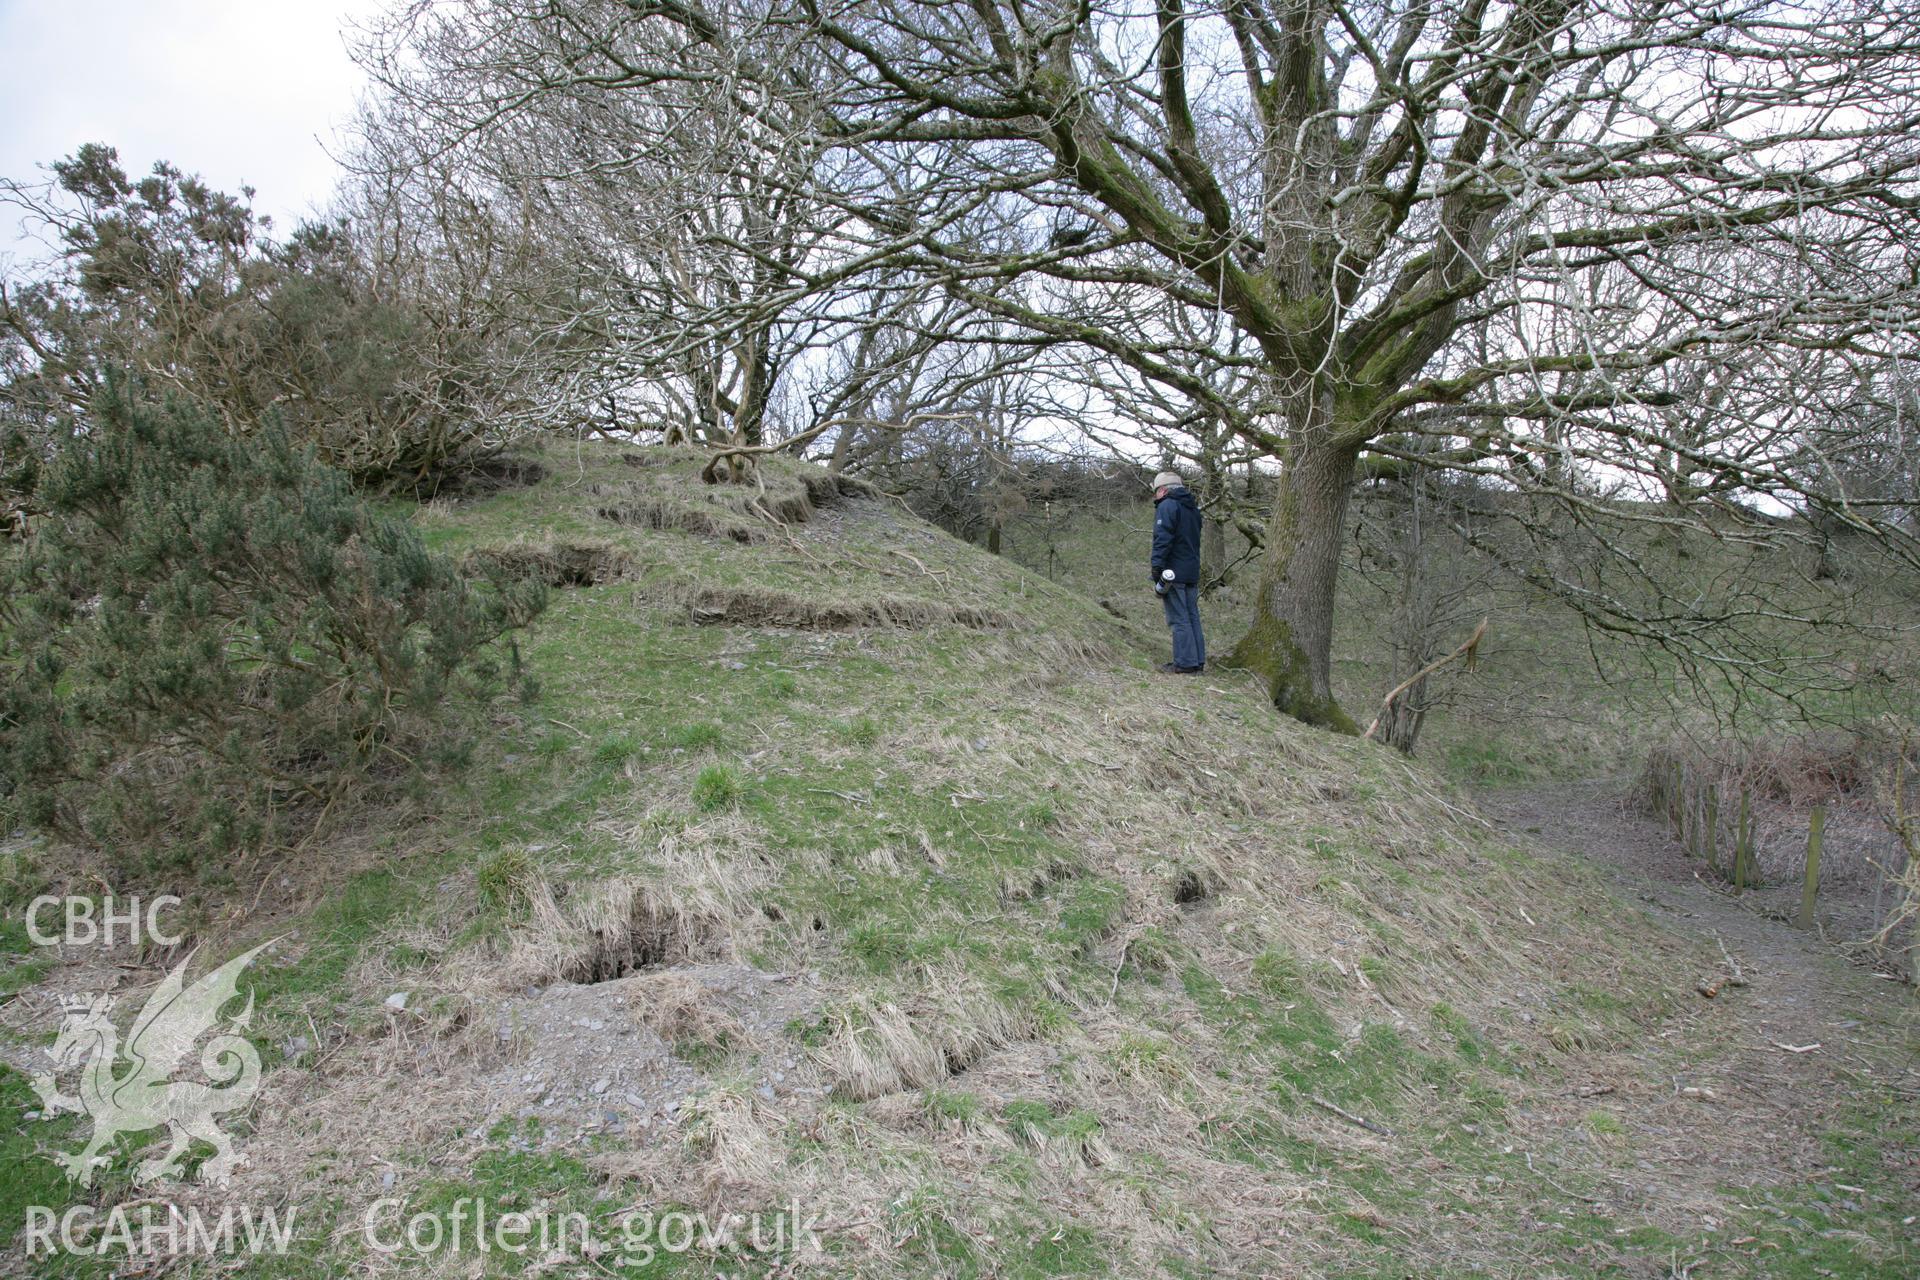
(1361, 186)
(1596, 251)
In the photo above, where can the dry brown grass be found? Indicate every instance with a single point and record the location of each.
(1792, 770)
(755, 514)
(875, 1047)
(608, 928)
(556, 562)
(731, 1139)
(1221, 866)
(1853, 774)
(765, 607)
(682, 1011)
(662, 514)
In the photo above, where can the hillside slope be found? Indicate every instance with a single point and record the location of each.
(1550, 698)
(841, 865)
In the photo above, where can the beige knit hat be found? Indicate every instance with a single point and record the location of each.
(1167, 479)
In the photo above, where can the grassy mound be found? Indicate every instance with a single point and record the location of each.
(842, 863)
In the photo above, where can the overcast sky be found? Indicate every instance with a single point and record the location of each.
(241, 92)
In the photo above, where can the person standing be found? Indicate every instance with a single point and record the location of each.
(1176, 570)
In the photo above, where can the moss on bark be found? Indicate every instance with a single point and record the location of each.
(1270, 649)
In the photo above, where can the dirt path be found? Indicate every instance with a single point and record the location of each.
(1730, 1117)
(1588, 819)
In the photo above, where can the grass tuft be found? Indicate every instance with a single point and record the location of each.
(716, 787)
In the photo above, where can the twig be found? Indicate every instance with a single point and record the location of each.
(727, 453)
(786, 531)
(940, 577)
(1114, 990)
(1571, 1195)
(1349, 1117)
(848, 796)
(1739, 978)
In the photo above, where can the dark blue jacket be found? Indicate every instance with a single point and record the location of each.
(1176, 536)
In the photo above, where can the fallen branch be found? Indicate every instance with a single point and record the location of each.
(1571, 1195)
(1470, 650)
(786, 531)
(1739, 978)
(939, 577)
(1133, 935)
(1349, 1117)
(848, 796)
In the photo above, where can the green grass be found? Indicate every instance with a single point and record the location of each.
(505, 880)
(715, 788)
(861, 731)
(21, 963)
(955, 1107)
(337, 933)
(923, 823)
(1850, 1217)
(704, 736)
(618, 748)
(35, 1183)
(32, 1178)
(572, 1202)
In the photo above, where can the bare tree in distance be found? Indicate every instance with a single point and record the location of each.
(1418, 576)
(717, 280)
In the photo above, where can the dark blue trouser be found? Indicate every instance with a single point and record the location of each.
(1182, 603)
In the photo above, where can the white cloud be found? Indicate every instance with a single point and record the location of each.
(241, 92)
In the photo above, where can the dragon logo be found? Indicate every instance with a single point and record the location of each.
(144, 1096)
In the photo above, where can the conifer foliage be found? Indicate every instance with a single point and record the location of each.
(208, 638)
(184, 285)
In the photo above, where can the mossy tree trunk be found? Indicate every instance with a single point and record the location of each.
(1290, 642)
